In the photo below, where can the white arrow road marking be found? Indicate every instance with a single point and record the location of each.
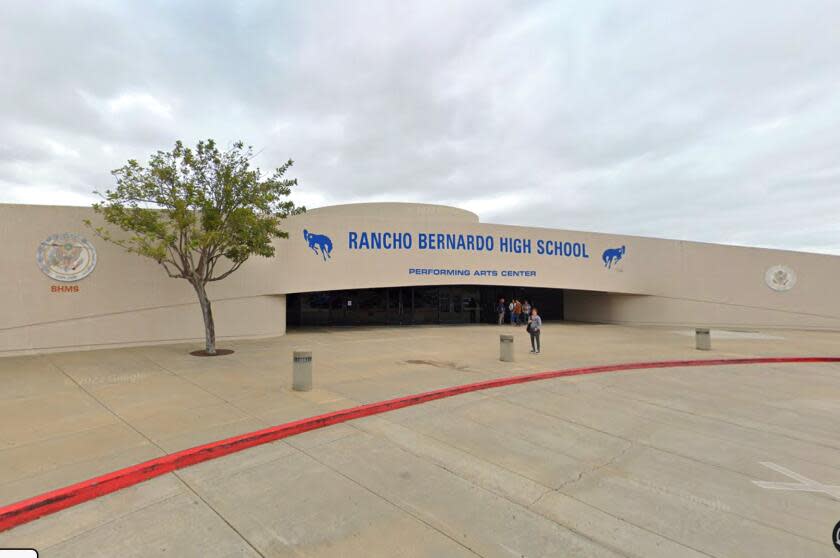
(804, 484)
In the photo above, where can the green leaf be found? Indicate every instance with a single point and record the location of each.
(200, 212)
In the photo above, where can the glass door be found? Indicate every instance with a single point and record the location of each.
(399, 305)
(426, 309)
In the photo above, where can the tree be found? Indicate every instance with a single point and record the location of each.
(199, 213)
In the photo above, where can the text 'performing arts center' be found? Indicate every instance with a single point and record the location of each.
(394, 263)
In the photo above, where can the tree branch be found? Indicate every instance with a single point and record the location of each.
(173, 262)
(169, 272)
(226, 273)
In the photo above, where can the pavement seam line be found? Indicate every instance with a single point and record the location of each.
(50, 502)
(641, 527)
(498, 494)
(728, 422)
(113, 519)
(658, 449)
(218, 513)
(111, 411)
(395, 505)
(507, 399)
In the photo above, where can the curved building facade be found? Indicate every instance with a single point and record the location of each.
(394, 263)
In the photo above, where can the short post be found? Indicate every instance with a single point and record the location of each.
(506, 348)
(302, 371)
(703, 338)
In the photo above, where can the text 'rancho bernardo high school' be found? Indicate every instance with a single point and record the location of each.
(373, 240)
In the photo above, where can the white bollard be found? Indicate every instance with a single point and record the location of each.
(302, 371)
(703, 339)
(506, 348)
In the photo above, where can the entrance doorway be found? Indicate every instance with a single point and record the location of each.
(442, 304)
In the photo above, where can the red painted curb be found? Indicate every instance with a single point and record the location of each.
(62, 498)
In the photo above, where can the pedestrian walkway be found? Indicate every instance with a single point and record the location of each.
(71, 416)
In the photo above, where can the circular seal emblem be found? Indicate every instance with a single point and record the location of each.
(835, 536)
(66, 257)
(780, 278)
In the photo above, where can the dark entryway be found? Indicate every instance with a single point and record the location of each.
(448, 304)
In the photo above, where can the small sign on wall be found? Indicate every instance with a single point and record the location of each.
(66, 257)
(780, 278)
(64, 288)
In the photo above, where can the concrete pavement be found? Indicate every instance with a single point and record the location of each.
(641, 463)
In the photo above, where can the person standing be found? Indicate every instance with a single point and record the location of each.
(534, 327)
(500, 310)
(526, 311)
(511, 306)
(517, 312)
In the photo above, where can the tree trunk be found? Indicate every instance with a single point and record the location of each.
(207, 312)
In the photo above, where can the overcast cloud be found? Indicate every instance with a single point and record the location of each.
(712, 121)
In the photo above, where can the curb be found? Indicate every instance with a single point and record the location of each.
(30, 509)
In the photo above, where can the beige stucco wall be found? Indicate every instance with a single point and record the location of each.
(129, 300)
(260, 316)
(616, 308)
(685, 282)
(126, 300)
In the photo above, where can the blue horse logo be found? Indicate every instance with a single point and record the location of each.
(317, 241)
(612, 256)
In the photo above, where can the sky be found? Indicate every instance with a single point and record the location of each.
(700, 120)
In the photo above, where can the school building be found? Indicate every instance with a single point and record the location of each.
(393, 263)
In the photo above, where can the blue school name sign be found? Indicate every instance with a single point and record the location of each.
(322, 246)
(386, 241)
